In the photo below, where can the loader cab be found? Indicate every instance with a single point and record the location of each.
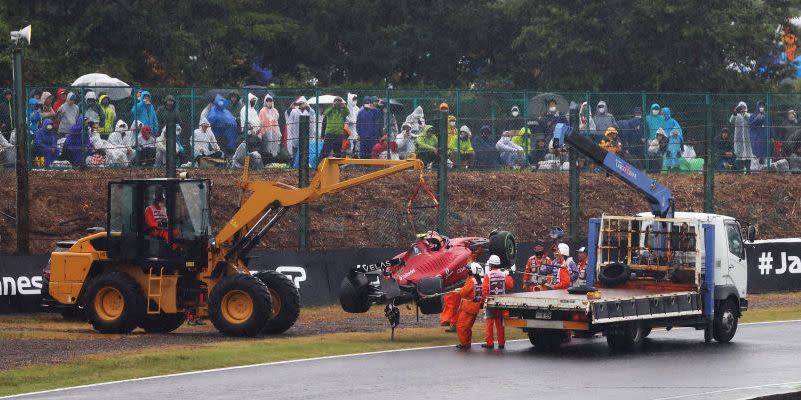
(182, 210)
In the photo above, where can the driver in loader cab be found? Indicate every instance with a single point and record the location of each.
(156, 218)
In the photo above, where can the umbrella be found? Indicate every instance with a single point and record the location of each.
(538, 105)
(394, 105)
(326, 99)
(115, 88)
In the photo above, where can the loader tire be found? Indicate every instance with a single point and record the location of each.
(240, 305)
(285, 299)
(503, 245)
(163, 323)
(353, 294)
(114, 303)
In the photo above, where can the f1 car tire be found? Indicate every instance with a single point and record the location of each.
(353, 294)
(285, 301)
(614, 274)
(162, 323)
(429, 291)
(504, 245)
(240, 305)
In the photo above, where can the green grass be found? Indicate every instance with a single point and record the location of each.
(174, 359)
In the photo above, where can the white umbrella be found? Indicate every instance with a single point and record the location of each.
(325, 99)
(115, 88)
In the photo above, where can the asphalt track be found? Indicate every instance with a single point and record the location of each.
(763, 359)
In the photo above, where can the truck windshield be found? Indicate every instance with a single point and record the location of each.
(191, 210)
(735, 240)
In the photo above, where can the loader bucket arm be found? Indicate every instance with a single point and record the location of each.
(268, 196)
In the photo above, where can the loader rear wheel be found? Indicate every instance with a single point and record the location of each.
(285, 300)
(115, 303)
(503, 245)
(163, 323)
(240, 305)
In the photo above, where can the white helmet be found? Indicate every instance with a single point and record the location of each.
(476, 269)
(564, 249)
(494, 260)
(582, 250)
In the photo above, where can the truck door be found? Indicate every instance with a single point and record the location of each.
(737, 266)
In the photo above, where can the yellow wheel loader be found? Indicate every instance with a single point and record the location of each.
(157, 261)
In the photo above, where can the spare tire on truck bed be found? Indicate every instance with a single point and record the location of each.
(614, 274)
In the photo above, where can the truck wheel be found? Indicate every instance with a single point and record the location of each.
(546, 340)
(504, 245)
(614, 274)
(629, 339)
(286, 301)
(725, 323)
(353, 294)
(162, 323)
(240, 305)
(114, 303)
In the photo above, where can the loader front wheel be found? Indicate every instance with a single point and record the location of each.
(240, 305)
(115, 303)
(285, 301)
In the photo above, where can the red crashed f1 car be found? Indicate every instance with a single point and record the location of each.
(433, 265)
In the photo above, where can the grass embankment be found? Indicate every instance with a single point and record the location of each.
(176, 359)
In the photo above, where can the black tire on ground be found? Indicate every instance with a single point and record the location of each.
(504, 245)
(285, 300)
(614, 274)
(429, 291)
(546, 340)
(114, 303)
(73, 314)
(353, 294)
(725, 323)
(240, 305)
(162, 323)
(629, 339)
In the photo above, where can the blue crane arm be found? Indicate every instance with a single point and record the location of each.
(659, 197)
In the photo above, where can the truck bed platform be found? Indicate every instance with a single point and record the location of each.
(614, 305)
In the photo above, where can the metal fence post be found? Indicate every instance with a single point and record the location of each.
(169, 130)
(526, 132)
(709, 171)
(442, 174)
(303, 181)
(20, 102)
(191, 150)
(769, 124)
(459, 121)
(574, 200)
(647, 130)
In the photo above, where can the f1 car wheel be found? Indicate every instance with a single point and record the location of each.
(240, 305)
(504, 245)
(429, 292)
(546, 340)
(286, 301)
(629, 338)
(162, 323)
(353, 294)
(115, 303)
(614, 274)
(724, 325)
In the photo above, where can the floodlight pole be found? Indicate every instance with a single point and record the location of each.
(20, 98)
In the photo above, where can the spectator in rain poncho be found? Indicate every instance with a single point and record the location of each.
(67, 115)
(487, 156)
(586, 123)
(460, 149)
(110, 154)
(293, 130)
(77, 145)
(654, 122)
(416, 120)
(205, 141)
(405, 141)
(8, 155)
(93, 112)
(124, 139)
(269, 129)
(368, 123)
(603, 120)
(759, 132)
(110, 115)
(238, 160)
(223, 124)
(511, 154)
(144, 112)
(675, 141)
(742, 139)
(353, 136)
(34, 117)
(161, 147)
(45, 142)
(249, 117)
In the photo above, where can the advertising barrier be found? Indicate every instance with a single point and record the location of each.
(774, 266)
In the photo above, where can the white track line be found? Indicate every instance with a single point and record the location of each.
(684, 396)
(204, 371)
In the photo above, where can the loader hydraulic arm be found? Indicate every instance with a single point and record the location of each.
(659, 197)
(270, 200)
